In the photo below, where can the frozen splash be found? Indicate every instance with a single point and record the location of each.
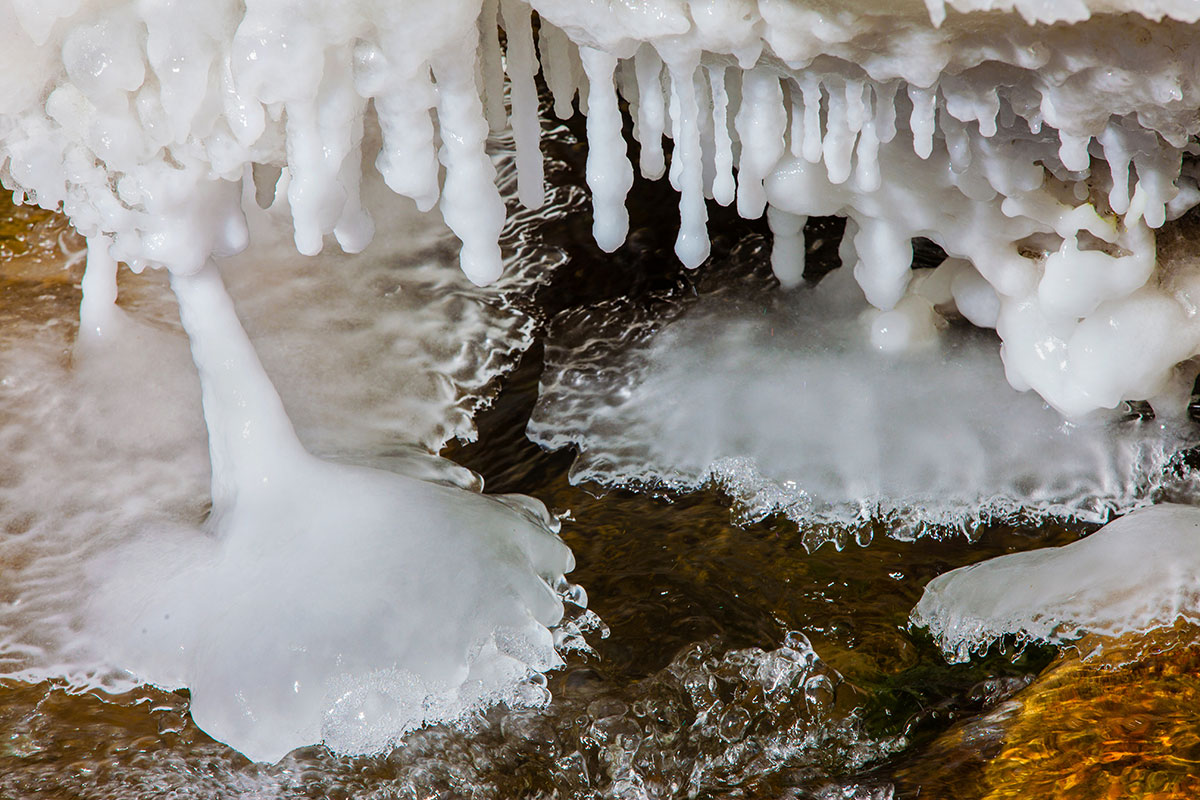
(786, 403)
(1133, 575)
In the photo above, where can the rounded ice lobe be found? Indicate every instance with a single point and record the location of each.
(349, 606)
(1137, 573)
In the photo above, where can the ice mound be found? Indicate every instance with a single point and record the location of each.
(350, 637)
(1137, 573)
(423, 601)
(787, 403)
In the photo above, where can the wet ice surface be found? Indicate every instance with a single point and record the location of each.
(1133, 575)
(111, 577)
(779, 399)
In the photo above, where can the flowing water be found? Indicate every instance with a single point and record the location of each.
(729, 655)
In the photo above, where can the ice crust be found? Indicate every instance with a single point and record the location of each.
(1137, 573)
(787, 404)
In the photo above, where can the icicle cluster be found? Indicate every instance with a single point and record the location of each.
(1042, 157)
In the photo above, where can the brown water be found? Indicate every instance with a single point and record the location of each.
(732, 661)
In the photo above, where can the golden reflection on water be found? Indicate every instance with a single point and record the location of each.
(34, 243)
(1121, 722)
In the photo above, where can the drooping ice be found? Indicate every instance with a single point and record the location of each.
(1137, 573)
(140, 119)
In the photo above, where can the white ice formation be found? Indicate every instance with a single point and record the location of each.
(785, 402)
(1043, 144)
(321, 601)
(1135, 574)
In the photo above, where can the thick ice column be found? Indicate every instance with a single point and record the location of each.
(98, 306)
(787, 246)
(250, 438)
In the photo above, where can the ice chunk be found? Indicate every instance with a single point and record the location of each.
(1140, 572)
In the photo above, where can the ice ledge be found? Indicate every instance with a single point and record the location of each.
(1043, 157)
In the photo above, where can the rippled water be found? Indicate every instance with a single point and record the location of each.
(731, 660)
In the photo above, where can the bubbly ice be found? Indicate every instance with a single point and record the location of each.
(1137, 573)
(787, 402)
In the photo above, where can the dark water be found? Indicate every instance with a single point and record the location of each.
(731, 661)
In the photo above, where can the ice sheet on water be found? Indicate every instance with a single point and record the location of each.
(1137, 573)
(780, 399)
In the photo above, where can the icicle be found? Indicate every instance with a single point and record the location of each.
(723, 183)
(988, 112)
(1156, 172)
(1115, 142)
(866, 172)
(885, 111)
(1073, 151)
(692, 245)
(609, 174)
(810, 90)
(579, 76)
(787, 247)
(937, 11)
(557, 67)
(958, 143)
(651, 120)
(99, 304)
(522, 66)
(856, 111)
(627, 89)
(760, 123)
(407, 159)
(838, 147)
(355, 228)
(922, 121)
(471, 205)
(491, 68)
(796, 123)
(325, 132)
(708, 145)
